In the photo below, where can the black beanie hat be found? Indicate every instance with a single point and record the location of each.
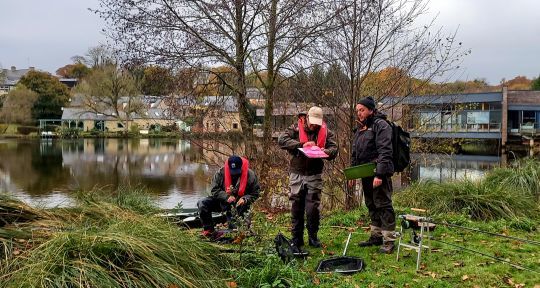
(368, 102)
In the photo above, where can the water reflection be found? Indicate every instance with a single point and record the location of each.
(440, 167)
(44, 172)
(47, 172)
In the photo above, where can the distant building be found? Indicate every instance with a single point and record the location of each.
(155, 116)
(493, 115)
(11, 78)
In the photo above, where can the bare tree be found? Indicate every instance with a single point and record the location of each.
(111, 92)
(289, 34)
(98, 56)
(373, 35)
(194, 33)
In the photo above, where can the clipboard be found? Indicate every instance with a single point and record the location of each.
(313, 152)
(360, 171)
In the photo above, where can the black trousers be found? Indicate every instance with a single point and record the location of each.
(379, 203)
(305, 197)
(210, 204)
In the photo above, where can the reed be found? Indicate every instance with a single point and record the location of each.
(483, 200)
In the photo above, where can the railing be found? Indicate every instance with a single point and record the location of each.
(529, 129)
(449, 128)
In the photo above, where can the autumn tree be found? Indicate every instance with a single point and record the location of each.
(157, 81)
(17, 106)
(112, 92)
(52, 95)
(75, 70)
(518, 83)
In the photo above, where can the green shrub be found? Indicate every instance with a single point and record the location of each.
(134, 128)
(69, 133)
(3, 128)
(25, 130)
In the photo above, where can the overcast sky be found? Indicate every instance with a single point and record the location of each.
(504, 36)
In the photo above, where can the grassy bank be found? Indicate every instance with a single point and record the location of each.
(113, 240)
(445, 266)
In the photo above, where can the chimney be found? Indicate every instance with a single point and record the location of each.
(13, 68)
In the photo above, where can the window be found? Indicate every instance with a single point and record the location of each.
(430, 119)
(119, 125)
(477, 117)
(235, 125)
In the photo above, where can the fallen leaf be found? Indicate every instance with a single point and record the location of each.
(459, 264)
(232, 284)
(316, 281)
(465, 277)
(519, 285)
(508, 280)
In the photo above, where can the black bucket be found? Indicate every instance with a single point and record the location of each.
(342, 264)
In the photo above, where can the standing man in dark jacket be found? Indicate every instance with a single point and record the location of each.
(233, 185)
(305, 178)
(373, 143)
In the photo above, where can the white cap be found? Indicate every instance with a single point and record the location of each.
(315, 115)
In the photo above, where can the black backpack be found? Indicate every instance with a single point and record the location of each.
(401, 147)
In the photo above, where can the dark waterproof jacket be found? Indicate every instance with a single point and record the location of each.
(300, 164)
(374, 145)
(252, 187)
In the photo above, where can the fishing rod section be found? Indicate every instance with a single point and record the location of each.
(484, 254)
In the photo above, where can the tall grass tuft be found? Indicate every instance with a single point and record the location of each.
(483, 200)
(525, 176)
(101, 244)
(136, 198)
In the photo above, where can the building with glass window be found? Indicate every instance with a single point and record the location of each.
(493, 115)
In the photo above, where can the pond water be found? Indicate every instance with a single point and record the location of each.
(46, 172)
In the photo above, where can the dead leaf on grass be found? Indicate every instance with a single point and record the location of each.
(464, 278)
(232, 284)
(508, 280)
(459, 264)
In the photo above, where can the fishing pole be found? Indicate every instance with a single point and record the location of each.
(489, 233)
(486, 255)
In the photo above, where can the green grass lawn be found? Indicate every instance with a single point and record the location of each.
(445, 266)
